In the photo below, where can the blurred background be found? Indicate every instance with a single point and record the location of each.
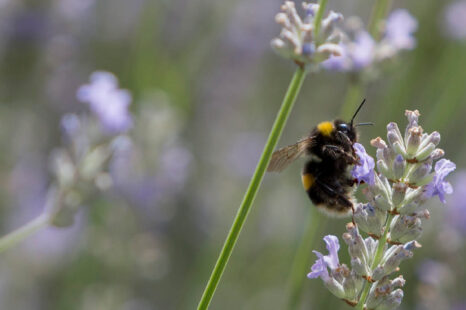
(206, 87)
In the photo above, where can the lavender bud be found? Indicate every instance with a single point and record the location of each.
(425, 152)
(335, 288)
(437, 154)
(381, 290)
(391, 261)
(330, 22)
(399, 149)
(383, 168)
(405, 228)
(413, 118)
(414, 140)
(420, 173)
(381, 203)
(393, 134)
(399, 166)
(409, 208)
(392, 301)
(399, 193)
(356, 246)
(352, 285)
(412, 194)
(369, 219)
(360, 268)
(434, 138)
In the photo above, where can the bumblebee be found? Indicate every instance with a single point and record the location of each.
(326, 176)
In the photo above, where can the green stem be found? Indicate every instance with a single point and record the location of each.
(379, 12)
(23, 232)
(301, 261)
(253, 187)
(354, 96)
(318, 18)
(375, 262)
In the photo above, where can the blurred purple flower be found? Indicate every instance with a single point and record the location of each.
(400, 28)
(439, 186)
(107, 101)
(364, 171)
(456, 211)
(356, 55)
(319, 269)
(455, 19)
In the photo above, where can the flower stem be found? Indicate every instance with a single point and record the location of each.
(354, 96)
(318, 18)
(253, 187)
(375, 262)
(23, 232)
(379, 12)
(301, 260)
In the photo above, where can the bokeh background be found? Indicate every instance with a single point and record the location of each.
(206, 88)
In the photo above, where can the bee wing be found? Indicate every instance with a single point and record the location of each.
(281, 158)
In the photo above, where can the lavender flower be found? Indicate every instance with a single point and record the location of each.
(107, 101)
(455, 20)
(439, 187)
(399, 30)
(392, 216)
(360, 51)
(355, 56)
(298, 39)
(364, 171)
(456, 215)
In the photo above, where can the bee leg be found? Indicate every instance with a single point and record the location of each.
(336, 152)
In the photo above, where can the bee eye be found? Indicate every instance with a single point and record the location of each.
(343, 127)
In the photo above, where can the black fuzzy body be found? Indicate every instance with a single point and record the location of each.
(331, 156)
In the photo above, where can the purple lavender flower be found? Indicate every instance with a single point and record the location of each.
(319, 269)
(364, 171)
(107, 101)
(400, 28)
(456, 215)
(455, 20)
(439, 186)
(355, 55)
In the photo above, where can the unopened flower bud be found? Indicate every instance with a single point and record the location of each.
(420, 174)
(352, 285)
(400, 149)
(405, 228)
(369, 219)
(399, 166)
(425, 152)
(399, 193)
(393, 134)
(437, 154)
(382, 203)
(392, 301)
(414, 140)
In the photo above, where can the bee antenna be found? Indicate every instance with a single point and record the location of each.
(356, 113)
(364, 124)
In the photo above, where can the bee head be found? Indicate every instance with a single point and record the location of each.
(347, 129)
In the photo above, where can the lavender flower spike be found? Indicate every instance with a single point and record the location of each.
(364, 172)
(392, 216)
(109, 103)
(298, 39)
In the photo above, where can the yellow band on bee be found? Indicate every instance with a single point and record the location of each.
(308, 180)
(325, 128)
